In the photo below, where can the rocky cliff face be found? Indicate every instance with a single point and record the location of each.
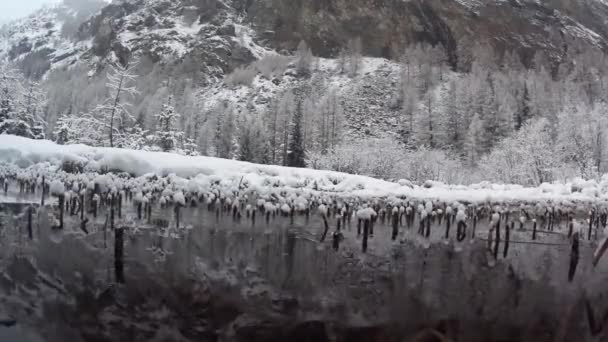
(386, 25)
(220, 34)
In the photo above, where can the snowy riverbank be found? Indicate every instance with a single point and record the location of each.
(41, 156)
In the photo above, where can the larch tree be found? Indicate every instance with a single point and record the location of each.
(427, 121)
(113, 113)
(304, 59)
(473, 140)
(454, 121)
(354, 56)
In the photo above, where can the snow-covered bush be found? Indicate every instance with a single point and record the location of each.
(241, 76)
(436, 165)
(272, 65)
(386, 159)
(528, 157)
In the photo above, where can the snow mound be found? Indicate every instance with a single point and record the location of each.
(199, 172)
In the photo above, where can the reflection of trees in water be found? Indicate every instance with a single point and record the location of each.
(523, 297)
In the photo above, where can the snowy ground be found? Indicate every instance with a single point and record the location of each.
(199, 173)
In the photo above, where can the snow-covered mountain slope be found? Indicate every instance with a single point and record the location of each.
(39, 37)
(41, 156)
(220, 35)
(365, 99)
(46, 39)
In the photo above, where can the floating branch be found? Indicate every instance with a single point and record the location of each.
(600, 251)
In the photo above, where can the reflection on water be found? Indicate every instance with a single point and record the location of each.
(220, 278)
(17, 334)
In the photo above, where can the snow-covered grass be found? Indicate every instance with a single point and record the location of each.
(201, 172)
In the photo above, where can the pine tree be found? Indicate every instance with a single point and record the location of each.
(20, 106)
(63, 132)
(525, 113)
(190, 147)
(168, 136)
(246, 148)
(224, 132)
(297, 154)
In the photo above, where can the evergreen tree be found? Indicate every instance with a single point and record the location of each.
(246, 148)
(297, 154)
(63, 133)
(168, 136)
(525, 113)
(224, 132)
(190, 147)
(20, 106)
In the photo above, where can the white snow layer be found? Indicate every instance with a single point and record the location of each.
(26, 152)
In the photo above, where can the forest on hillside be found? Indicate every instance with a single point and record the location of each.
(491, 118)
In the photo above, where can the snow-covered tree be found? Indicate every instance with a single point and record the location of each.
(524, 113)
(473, 141)
(454, 120)
(168, 136)
(74, 129)
(427, 120)
(581, 138)
(20, 105)
(64, 133)
(297, 154)
(528, 157)
(224, 134)
(354, 57)
(304, 59)
(113, 113)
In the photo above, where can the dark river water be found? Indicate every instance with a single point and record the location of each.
(221, 278)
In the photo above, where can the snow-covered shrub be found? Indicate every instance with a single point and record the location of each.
(385, 158)
(344, 158)
(272, 65)
(527, 158)
(435, 165)
(241, 76)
